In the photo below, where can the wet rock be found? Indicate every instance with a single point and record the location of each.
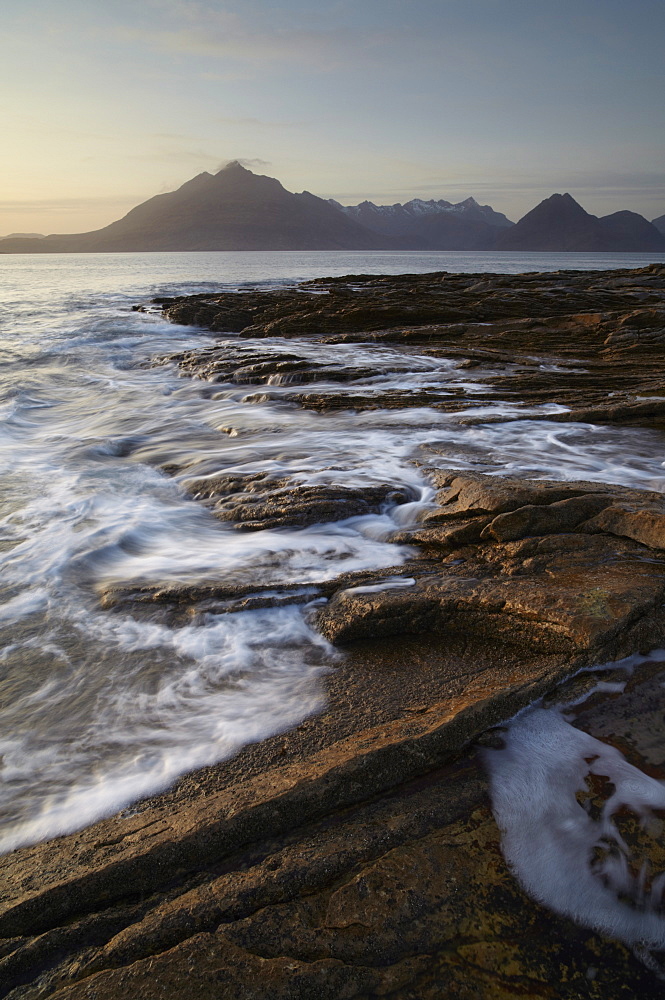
(305, 882)
(366, 303)
(645, 522)
(466, 493)
(440, 532)
(565, 332)
(257, 502)
(556, 567)
(542, 575)
(183, 603)
(227, 312)
(351, 615)
(362, 400)
(357, 856)
(235, 365)
(581, 610)
(557, 517)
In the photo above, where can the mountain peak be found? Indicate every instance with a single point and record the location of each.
(233, 167)
(556, 223)
(560, 223)
(565, 201)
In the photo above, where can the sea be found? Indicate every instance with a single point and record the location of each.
(99, 708)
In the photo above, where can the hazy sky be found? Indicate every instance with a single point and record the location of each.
(106, 102)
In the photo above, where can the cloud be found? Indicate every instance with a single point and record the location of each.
(168, 155)
(244, 162)
(514, 192)
(177, 136)
(323, 51)
(221, 33)
(227, 76)
(641, 181)
(512, 182)
(47, 206)
(252, 163)
(255, 123)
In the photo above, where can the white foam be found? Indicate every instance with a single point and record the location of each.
(390, 583)
(103, 708)
(549, 839)
(27, 602)
(539, 449)
(210, 691)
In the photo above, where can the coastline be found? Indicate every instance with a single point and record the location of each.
(186, 890)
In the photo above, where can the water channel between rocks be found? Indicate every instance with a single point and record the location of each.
(102, 707)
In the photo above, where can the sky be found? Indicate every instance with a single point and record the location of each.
(104, 103)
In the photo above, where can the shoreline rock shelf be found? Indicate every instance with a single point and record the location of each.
(356, 856)
(602, 333)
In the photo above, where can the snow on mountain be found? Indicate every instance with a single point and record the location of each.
(418, 208)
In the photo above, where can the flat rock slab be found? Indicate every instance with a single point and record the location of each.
(549, 566)
(540, 338)
(354, 857)
(362, 303)
(402, 893)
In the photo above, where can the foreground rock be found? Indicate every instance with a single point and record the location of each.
(358, 856)
(254, 502)
(370, 868)
(574, 569)
(557, 567)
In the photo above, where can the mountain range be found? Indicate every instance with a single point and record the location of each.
(431, 225)
(236, 209)
(24, 236)
(559, 223)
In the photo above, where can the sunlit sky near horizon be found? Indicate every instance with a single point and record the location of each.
(105, 103)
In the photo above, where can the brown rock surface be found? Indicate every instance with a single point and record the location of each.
(357, 856)
(255, 502)
(539, 569)
(581, 323)
(305, 884)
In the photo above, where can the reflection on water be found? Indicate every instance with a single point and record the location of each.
(98, 708)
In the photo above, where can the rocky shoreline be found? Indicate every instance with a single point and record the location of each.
(603, 327)
(357, 855)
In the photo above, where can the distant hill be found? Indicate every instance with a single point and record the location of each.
(432, 225)
(23, 236)
(236, 209)
(659, 223)
(559, 223)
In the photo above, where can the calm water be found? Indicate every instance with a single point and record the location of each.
(99, 709)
